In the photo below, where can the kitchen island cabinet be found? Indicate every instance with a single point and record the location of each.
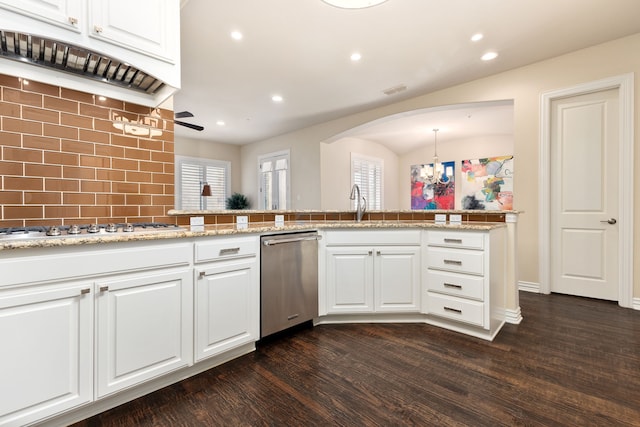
(465, 280)
(372, 271)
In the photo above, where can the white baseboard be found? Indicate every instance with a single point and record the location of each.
(635, 304)
(513, 316)
(529, 287)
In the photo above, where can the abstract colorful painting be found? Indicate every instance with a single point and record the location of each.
(487, 184)
(426, 195)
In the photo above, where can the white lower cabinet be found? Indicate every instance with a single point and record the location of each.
(142, 328)
(464, 280)
(46, 363)
(383, 276)
(227, 295)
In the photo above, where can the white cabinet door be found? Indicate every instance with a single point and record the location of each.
(151, 27)
(227, 306)
(349, 280)
(143, 327)
(397, 279)
(46, 359)
(67, 14)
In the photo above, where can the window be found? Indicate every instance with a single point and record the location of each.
(274, 180)
(367, 173)
(192, 173)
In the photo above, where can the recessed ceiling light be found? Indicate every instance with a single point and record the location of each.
(277, 98)
(220, 123)
(355, 56)
(477, 37)
(489, 56)
(236, 35)
(353, 4)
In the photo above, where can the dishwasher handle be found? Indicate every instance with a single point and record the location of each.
(272, 242)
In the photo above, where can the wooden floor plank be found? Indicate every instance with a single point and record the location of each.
(571, 362)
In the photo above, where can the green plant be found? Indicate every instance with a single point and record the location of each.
(237, 201)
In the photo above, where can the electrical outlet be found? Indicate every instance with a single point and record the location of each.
(242, 222)
(279, 220)
(441, 218)
(455, 219)
(196, 220)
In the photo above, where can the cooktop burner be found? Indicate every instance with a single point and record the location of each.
(40, 231)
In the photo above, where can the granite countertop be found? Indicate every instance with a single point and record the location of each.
(230, 229)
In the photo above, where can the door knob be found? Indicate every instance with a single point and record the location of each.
(610, 221)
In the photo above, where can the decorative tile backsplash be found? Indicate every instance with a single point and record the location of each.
(69, 157)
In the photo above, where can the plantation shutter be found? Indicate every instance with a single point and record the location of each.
(367, 173)
(191, 175)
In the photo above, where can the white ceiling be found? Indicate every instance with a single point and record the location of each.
(301, 50)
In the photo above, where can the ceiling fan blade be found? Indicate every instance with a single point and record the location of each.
(183, 114)
(189, 125)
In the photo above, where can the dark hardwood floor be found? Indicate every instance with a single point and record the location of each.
(571, 362)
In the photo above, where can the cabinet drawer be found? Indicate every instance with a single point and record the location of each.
(460, 239)
(461, 285)
(226, 248)
(397, 237)
(459, 309)
(460, 260)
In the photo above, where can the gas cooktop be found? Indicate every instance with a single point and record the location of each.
(87, 230)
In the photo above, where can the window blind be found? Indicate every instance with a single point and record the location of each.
(367, 173)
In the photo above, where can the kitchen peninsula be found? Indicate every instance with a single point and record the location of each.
(158, 308)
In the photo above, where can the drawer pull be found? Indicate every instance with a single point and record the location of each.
(104, 288)
(451, 285)
(452, 262)
(453, 310)
(202, 274)
(84, 291)
(293, 316)
(458, 241)
(229, 251)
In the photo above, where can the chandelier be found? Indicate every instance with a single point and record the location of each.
(437, 171)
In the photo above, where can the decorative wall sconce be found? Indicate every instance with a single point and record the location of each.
(145, 126)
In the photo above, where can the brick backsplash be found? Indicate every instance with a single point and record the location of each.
(62, 161)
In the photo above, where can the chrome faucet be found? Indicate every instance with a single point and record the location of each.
(361, 202)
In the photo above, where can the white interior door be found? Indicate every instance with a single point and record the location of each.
(584, 195)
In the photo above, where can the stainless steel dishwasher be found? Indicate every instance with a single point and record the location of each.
(288, 280)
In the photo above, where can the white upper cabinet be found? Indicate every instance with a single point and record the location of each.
(67, 14)
(146, 26)
(143, 34)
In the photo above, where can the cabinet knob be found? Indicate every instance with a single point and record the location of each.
(378, 253)
(97, 28)
(73, 20)
(201, 274)
(370, 253)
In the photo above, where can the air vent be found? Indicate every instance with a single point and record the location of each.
(72, 59)
(394, 90)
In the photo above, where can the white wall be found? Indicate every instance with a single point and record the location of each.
(305, 169)
(335, 171)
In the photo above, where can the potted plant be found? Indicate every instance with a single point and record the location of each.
(237, 201)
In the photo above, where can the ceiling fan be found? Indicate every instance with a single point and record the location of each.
(182, 115)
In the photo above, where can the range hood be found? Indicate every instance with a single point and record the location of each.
(61, 56)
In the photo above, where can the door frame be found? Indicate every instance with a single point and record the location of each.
(624, 84)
